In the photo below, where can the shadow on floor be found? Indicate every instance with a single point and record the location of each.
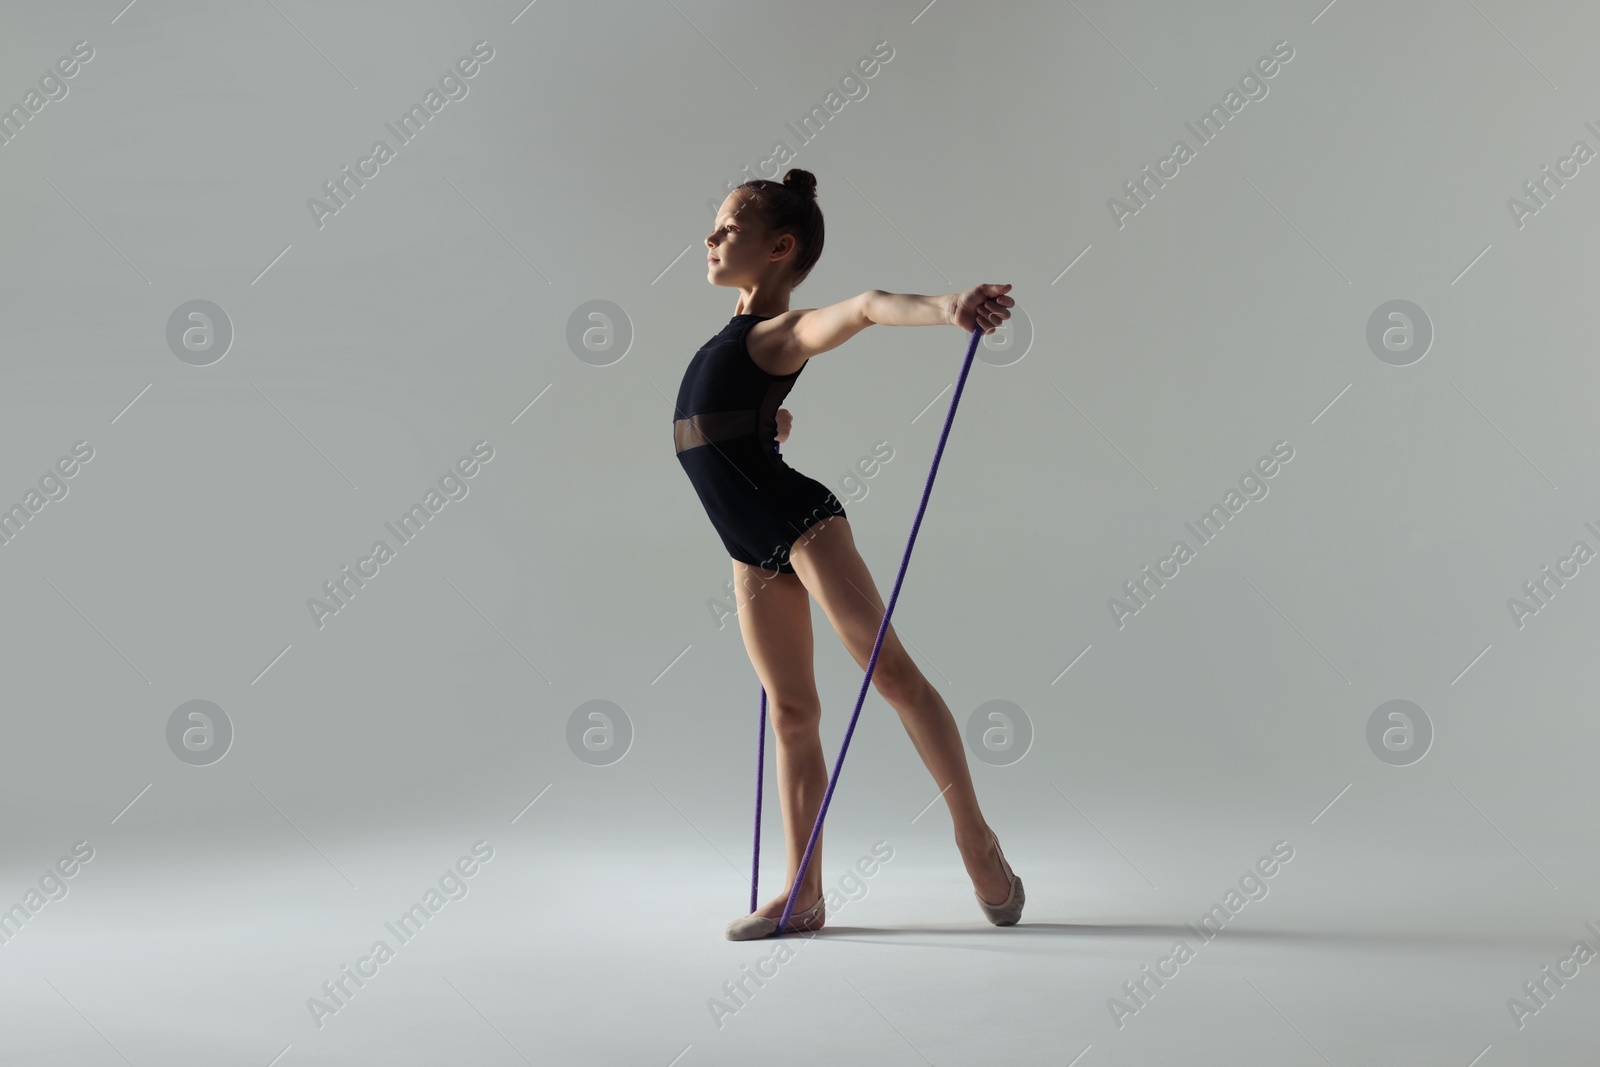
(947, 934)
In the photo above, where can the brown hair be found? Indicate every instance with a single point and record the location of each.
(790, 207)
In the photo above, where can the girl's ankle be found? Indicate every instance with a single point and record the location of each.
(974, 840)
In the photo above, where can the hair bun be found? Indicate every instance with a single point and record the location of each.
(801, 181)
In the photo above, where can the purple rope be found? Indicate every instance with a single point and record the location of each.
(761, 762)
(883, 628)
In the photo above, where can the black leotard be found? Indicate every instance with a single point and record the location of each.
(725, 432)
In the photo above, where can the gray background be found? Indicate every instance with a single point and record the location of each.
(370, 354)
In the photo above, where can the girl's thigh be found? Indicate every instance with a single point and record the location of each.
(775, 620)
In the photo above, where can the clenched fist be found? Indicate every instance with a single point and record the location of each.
(982, 305)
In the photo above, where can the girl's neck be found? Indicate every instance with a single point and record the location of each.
(765, 304)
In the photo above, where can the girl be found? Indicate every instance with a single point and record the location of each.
(788, 535)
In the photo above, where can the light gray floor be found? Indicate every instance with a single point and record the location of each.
(565, 951)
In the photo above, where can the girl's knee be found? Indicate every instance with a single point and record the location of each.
(795, 719)
(898, 681)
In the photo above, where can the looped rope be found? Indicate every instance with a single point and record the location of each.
(883, 628)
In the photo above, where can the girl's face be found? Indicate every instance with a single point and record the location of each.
(737, 249)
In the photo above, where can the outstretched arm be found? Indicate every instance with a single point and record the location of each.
(908, 309)
(982, 305)
(812, 331)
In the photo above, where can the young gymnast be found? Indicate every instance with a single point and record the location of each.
(788, 535)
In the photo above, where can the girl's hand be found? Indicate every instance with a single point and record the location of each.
(785, 420)
(982, 305)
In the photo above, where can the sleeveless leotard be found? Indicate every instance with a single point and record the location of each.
(725, 431)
